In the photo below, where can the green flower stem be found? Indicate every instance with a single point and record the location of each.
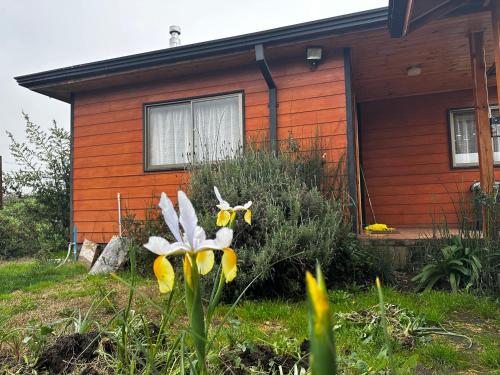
(196, 317)
(383, 321)
(215, 298)
(214, 301)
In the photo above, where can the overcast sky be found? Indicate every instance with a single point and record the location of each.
(38, 35)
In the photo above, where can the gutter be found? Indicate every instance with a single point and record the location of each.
(361, 21)
(260, 58)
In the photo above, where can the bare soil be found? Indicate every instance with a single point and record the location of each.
(67, 351)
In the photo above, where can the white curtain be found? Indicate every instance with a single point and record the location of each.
(217, 128)
(170, 134)
(496, 140)
(464, 128)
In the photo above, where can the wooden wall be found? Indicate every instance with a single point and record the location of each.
(406, 159)
(108, 134)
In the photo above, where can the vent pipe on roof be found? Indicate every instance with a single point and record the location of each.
(175, 31)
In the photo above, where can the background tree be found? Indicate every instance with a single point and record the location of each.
(43, 174)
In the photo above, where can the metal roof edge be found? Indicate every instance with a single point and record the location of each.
(359, 21)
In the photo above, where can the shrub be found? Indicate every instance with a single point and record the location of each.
(36, 219)
(25, 232)
(293, 225)
(475, 250)
(458, 265)
(139, 231)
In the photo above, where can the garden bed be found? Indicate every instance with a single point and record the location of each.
(258, 333)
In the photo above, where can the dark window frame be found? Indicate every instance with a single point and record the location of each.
(145, 126)
(451, 139)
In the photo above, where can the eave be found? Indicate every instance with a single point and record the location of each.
(47, 82)
(406, 16)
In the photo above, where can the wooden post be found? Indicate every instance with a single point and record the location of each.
(483, 129)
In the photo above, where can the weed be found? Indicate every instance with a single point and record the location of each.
(490, 357)
(440, 355)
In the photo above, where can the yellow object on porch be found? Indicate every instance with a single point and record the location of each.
(378, 228)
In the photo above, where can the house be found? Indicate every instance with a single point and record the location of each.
(402, 92)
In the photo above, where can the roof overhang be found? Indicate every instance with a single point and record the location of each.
(60, 83)
(406, 16)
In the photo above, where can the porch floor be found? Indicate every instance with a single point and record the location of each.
(404, 234)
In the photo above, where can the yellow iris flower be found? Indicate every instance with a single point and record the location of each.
(319, 301)
(191, 242)
(227, 214)
(323, 356)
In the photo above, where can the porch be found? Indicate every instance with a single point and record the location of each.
(422, 104)
(406, 234)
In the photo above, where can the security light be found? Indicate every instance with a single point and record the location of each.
(314, 56)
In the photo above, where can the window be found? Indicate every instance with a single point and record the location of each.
(463, 138)
(206, 129)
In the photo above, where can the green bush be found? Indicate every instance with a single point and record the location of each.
(457, 265)
(139, 231)
(293, 224)
(462, 255)
(25, 232)
(36, 215)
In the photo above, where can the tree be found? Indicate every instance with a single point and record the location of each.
(44, 173)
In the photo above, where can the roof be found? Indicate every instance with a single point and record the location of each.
(360, 21)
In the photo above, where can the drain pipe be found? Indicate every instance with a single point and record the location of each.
(271, 85)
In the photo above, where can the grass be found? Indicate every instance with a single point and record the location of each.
(33, 276)
(279, 322)
(438, 355)
(490, 357)
(33, 291)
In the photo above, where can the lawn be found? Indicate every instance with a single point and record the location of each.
(32, 291)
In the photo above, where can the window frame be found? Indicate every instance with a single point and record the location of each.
(240, 94)
(451, 133)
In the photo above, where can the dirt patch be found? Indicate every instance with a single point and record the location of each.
(94, 370)
(49, 309)
(67, 351)
(7, 361)
(246, 360)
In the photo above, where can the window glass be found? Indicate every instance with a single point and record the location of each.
(217, 131)
(464, 142)
(207, 129)
(169, 134)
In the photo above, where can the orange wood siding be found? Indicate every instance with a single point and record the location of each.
(108, 134)
(406, 159)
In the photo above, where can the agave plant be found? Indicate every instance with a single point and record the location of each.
(458, 265)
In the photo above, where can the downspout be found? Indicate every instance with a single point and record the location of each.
(72, 229)
(271, 85)
(351, 158)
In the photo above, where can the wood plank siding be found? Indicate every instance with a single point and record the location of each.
(108, 132)
(406, 159)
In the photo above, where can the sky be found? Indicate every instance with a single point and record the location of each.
(38, 35)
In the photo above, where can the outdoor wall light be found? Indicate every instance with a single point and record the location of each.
(314, 56)
(414, 70)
